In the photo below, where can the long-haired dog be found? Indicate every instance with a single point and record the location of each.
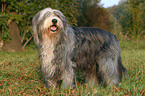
(66, 50)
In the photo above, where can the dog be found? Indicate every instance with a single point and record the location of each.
(64, 51)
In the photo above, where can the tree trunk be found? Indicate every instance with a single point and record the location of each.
(15, 42)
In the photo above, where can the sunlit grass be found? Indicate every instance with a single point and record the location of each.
(20, 75)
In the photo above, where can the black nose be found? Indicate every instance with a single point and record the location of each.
(54, 21)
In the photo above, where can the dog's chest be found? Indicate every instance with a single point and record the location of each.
(46, 54)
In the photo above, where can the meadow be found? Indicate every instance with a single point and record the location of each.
(20, 75)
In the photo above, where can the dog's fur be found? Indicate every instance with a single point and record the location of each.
(66, 50)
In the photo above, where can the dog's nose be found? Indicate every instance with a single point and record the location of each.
(54, 21)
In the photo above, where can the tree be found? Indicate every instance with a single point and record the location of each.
(19, 14)
(83, 8)
(138, 13)
(99, 17)
(15, 17)
(92, 14)
(130, 14)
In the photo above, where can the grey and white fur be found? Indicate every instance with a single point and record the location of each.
(66, 50)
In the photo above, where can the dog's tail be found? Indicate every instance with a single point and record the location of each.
(123, 70)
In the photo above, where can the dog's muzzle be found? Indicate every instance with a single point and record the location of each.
(54, 26)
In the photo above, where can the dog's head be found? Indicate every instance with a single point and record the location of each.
(47, 22)
(51, 19)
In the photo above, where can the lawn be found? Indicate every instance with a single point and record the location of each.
(20, 75)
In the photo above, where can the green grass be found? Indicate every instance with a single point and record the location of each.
(20, 75)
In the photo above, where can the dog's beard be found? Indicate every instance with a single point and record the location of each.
(53, 28)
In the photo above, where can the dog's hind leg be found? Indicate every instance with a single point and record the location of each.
(91, 76)
(108, 70)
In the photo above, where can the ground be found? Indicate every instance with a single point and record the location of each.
(20, 74)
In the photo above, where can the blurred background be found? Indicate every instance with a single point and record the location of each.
(125, 19)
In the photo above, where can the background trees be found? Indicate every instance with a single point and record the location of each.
(130, 14)
(16, 16)
(92, 14)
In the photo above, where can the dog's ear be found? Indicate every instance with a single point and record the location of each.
(35, 33)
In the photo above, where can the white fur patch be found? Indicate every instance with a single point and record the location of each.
(46, 57)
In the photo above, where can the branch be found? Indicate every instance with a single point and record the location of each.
(23, 35)
(2, 7)
(22, 38)
(27, 42)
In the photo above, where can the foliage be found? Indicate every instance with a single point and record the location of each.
(130, 15)
(14, 10)
(22, 11)
(92, 14)
(138, 21)
(99, 17)
(77, 12)
(20, 75)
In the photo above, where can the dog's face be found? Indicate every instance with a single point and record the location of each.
(53, 20)
(50, 19)
(47, 24)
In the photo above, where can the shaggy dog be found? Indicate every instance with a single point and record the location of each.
(66, 51)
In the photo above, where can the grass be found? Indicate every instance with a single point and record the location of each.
(20, 75)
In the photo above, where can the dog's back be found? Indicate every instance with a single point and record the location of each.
(100, 49)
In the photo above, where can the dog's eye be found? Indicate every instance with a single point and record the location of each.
(59, 15)
(47, 14)
(56, 13)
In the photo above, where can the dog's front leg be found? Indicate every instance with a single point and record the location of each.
(68, 77)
